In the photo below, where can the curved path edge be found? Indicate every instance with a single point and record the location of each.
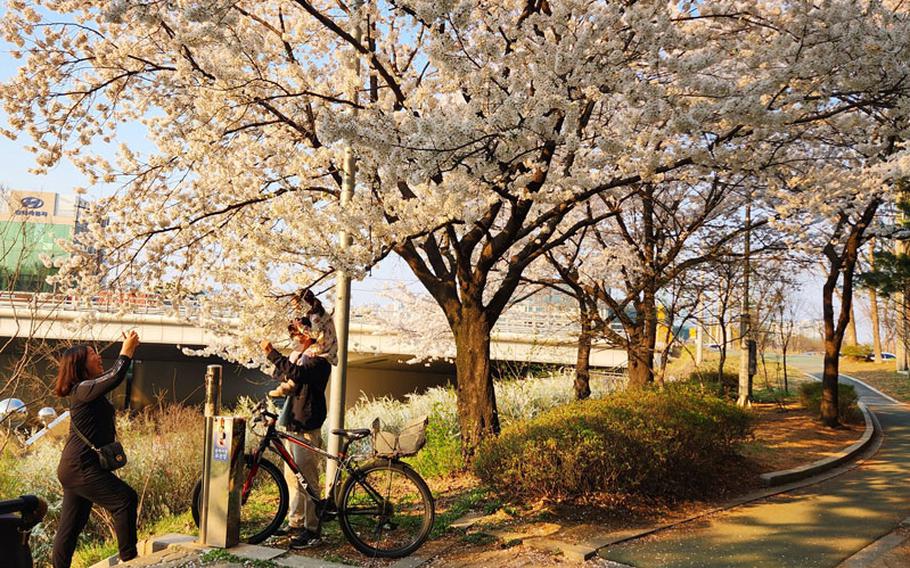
(776, 478)
(830, 471)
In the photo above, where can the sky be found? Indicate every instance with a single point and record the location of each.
(15, 163)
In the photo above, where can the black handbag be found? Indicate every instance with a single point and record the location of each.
(111, 456)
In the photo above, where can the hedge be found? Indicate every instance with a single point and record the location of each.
(669, 443)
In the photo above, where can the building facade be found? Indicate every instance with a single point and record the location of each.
(31, 225)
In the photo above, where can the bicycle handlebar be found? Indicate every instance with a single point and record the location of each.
(260, 413)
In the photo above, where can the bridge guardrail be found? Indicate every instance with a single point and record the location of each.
(555, 324)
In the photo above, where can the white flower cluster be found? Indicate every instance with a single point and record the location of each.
(469, 119)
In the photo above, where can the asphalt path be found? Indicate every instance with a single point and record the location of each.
(816, 526)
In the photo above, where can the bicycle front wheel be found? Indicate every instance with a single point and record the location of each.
(262, 508)
(386, 510)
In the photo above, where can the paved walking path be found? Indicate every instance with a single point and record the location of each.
(819, 525)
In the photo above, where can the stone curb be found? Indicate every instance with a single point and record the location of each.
(776, 478)
(780, 482)
(869, 450)
(868, 555)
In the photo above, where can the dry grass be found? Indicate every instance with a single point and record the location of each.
(879, 375)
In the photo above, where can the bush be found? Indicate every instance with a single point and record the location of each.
(516, 399)
(726, 387)
(668, 443)
(810, 396)
(856, 352)
(442, 453)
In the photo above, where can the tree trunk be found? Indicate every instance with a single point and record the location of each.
(829, 404)
(642, 340)
(582, 365)
(722, 359)
(850, 336)
(477, 414)
(876, 330)
(833, 336)
(641, 360)
(841, 265)
(784, 357)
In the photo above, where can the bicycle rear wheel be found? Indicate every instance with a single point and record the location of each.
(386, 510)
(265, 505)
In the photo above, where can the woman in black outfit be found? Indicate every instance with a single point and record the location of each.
(82, 378)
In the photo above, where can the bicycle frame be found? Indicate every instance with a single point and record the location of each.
(273, 438)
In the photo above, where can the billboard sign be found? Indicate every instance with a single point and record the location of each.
(30, 206)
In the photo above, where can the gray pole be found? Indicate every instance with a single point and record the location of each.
(338, 382)
(900, 302)
(699, 343)
(745, 330)
(211, 409)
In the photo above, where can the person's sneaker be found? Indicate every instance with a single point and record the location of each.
(305, 539)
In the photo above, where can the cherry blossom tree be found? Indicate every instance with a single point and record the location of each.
(478, 126)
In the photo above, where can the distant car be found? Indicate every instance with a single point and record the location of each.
(714, 346)
(885, 356)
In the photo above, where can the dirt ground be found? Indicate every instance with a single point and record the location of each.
(785, 436)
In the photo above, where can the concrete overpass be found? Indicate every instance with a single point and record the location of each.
(377, 355)
(529, 338)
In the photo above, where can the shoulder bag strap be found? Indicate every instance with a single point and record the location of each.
(84, 439)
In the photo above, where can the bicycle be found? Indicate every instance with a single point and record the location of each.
(384, 507)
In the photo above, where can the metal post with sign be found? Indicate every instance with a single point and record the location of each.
(222, 469)
(222, 527)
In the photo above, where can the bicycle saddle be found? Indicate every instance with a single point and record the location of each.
(353, 433)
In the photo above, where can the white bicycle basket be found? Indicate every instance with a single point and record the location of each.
(405, 443)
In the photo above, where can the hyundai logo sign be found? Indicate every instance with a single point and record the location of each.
(31, 206)
(32, 202)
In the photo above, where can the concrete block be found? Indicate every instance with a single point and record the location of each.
(410, 562)
(295, 561)
(467, 521)
(571, 551)
(520, 533)
(156, 543)
(107, 562)
(255, 552)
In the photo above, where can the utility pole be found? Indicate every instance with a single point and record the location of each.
(699, 334)
(745, 329)
(900, 300)
(338, 381)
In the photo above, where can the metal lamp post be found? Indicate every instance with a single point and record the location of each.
(338, 381)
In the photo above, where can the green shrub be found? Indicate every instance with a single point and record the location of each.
(516, 399)
(810, 396)
(660, 443)
(856, 352)
(725, 386)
